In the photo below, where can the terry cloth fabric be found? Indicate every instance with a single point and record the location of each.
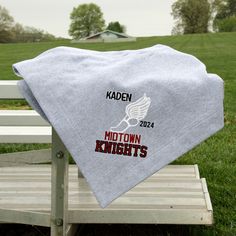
(123, 115)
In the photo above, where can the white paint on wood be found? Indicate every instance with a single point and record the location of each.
(207, 196)
(156, 200)
(25, 158)
(59, 187)
(21, 118)
(197, 174)
(24, 217)
(9, 90)
(172, 169)
(24, 134)
(149, 216)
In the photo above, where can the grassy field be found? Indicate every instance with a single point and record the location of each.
(216, 157)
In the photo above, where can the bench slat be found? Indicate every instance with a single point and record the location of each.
(21, 118)
(24, 134)
(172, 169)
(139, 216)
(156, 200)
(9, 90)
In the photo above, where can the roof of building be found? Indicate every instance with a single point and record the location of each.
(113, 32)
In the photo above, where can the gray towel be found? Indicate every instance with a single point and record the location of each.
(123, 115)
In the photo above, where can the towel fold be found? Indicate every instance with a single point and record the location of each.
(123, 115)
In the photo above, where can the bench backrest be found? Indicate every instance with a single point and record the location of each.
(21, 126)
(26, 126)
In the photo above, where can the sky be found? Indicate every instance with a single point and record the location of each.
(141, 17)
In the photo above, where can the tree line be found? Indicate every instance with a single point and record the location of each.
(202, 16)
(12, 32)
(191, 16)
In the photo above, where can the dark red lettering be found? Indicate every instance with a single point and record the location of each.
(107, 135)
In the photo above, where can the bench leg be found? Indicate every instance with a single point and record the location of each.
(59, 188)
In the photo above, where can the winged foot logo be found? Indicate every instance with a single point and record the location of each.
(135, 112)
(116, 141)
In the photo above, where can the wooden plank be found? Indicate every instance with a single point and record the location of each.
(206, 193)
(45, 169)
(46, 207)
(9, 90)
(24, 158)
(150, 216)
(177, 170)
(42, 175)
(73, 168)
(82, 184)
(161, 200)
(21, 118)
(24, 134)
(124, 200)
(197, 174)
(77, 194)
(59, 187)
(25, 217)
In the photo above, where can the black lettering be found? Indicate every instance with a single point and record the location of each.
(118, 96)
(119, 150)
(113, 96)
(99, 147)
(128, 149)
(108, 95)
(114, 150)
(143, 151)
(108, 147)
(136, 148)
(124, 96)
(129, 96)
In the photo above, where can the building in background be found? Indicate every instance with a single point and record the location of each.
(106, 36)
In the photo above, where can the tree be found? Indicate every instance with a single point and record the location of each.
(116, 26)
(15, 32)
(225, 8)
(225, 19)
(6, 23)
(86, 19)
(227, 25)
(18, 33)
(193, 16)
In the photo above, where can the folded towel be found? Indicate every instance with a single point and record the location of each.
(123, 115)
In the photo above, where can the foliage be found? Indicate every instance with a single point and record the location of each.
(227, 24)
(225, 16)
(225, 9)
(192, 16)
(215, 156)
(86, 19)
(116, 26)
(6, 23)
(30, 34)
(10, 31)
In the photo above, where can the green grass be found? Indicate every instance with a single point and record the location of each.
(216, 157)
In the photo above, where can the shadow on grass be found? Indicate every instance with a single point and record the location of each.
(110, 230)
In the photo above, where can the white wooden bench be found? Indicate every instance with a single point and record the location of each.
(39, 194)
